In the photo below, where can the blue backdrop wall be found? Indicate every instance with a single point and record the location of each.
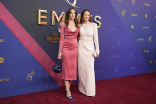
(126, 37)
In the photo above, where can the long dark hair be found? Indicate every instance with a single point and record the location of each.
(67, 17)
(82, 20)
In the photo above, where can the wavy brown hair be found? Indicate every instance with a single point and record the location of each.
(82, 20)
(67, 17)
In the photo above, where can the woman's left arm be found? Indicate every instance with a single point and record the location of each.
(78, 36)
(96, 40)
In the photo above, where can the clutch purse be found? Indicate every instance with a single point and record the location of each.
(57, 68)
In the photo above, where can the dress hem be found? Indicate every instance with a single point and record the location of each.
(86, 95)
(69, 79)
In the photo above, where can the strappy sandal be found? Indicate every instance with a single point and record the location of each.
(69, 97)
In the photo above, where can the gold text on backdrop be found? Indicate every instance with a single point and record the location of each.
(41, 17)
(1, 59)
(53, 39)
(4, 79)
(58, 18)
(145, 27)
(54, 15)
(95, 19)
(146, 4)
(140, 39)
(134, 14)
(146, 50)
(1, 40)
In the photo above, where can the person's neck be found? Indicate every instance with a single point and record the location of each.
(71, 21)
(86, 22)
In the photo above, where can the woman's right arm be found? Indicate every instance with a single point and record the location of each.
(61, 41)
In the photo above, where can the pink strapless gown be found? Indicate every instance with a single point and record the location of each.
(69, 48)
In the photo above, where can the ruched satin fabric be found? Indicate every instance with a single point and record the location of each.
(69, 48)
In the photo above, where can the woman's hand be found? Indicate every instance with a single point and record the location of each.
(97, 55)
(59, 55)
(61, 23)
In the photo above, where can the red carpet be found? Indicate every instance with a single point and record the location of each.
(138, 89)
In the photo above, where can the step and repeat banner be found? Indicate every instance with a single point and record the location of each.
(29, 41)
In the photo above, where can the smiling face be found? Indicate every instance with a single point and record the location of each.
(86, 16)
(72, 14)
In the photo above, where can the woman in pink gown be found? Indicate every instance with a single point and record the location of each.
(68, 49)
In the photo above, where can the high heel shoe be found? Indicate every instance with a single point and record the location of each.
(70, 92)
(69, 97)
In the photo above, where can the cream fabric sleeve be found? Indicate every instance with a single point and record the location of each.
(96, 40)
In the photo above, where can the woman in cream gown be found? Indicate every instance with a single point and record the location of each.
(86, 53)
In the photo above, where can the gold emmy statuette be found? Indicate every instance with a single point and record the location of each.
(41, 17)
(123, 13)
(29, 77)
(54, 15)
(146, 15)
(132, 26)
(150, 61)
(95, 19)
(72, 4)
(133, 2)
(150, 38)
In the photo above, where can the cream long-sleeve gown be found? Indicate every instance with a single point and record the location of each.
(88, 33)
